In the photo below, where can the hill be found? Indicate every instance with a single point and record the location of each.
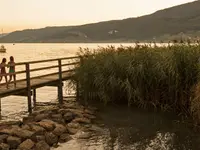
(164, 24)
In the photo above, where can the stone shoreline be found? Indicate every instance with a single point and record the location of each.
(47, 127)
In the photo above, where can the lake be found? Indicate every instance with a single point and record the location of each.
(15, 107)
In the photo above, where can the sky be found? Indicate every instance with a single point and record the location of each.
(23, 14)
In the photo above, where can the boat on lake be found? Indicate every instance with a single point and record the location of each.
(2, 49)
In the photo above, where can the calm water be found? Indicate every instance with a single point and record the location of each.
(14, 107)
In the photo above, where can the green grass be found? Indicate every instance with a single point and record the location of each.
(160, 77)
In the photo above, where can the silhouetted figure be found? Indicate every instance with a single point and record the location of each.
(3, 71)
(11, 65)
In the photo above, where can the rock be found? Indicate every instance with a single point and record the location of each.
(77, 113)
(69, 116)
(65, 138)
(72, 130)
(93, 108)
(35, 113)
(26, 145)
(55, 145)
(62, 111)
(51, 138)
(13, 142)
(74, 125)
(26, 127)
(58, 118)
(54, 110)
(47, 124)
(82, 120)
(4, 146)
(83, 135)
(3, 138)
(95, 128)
(42, 145)
(28, 119)
(72, 106)
(24, 134)
(40, 138)
(9, 123)
(88, 112)
(59, 130)
(87, 126)
(40, 117)
(6, 131)
(89, 116)
(37, 129)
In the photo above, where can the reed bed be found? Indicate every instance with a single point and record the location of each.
(161, 77)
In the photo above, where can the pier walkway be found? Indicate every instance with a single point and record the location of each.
(50, 72)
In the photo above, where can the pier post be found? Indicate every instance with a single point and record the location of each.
(0, 110)
(34, 98)
(28, 85)
(60, 84)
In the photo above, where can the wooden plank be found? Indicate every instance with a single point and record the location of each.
(23, 93)
(48, 60)
(46, 80)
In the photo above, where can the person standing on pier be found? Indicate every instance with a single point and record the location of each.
(11, 65)
(3, 71)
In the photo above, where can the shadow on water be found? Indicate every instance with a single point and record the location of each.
(137, 129)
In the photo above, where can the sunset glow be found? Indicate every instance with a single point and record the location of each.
(21, 14)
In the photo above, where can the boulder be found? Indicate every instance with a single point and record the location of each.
(82, 120)
(62, 111)
(3, 138)
(28, 119)
(40, 117)
(51, 138)
(72, 130)
(93, 109)
(77, 112)
(83, 135)
(57, 118)
(47, 124)
(37, 129)
(69, 116)
(65, 138)
(24, 134)
(13, 142)
(35, 113)
(74, 125)
(10, 123)
(42, 145)
(59, 130)
(89, 116)
(7, 131)
(96, 129)
(40, 138)
(73, 106)
(26, 127)
(26, 145)
(88, 112)
(4, 146)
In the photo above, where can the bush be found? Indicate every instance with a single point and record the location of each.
(160, 77)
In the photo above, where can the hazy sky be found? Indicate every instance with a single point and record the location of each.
(20, 14)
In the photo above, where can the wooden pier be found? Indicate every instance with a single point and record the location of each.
(28, 85)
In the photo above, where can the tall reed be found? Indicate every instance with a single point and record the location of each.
(146, 76)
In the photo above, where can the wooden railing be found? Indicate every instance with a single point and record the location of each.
(26, 73)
